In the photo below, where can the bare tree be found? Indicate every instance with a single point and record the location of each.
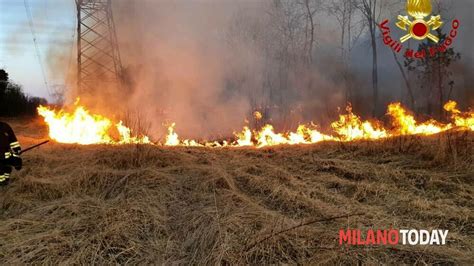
(371, 10)
(400, 8)
(278, 48)
(345, 12)
(406, 80)
(294, 26)
(311, 7)
(58, 93)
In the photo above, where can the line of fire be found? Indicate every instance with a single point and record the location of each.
(236, 132)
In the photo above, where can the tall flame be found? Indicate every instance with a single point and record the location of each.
(405, 123)
(463, 120)
(172, 138)
(81, 127)
(244, 137)
(350, 127)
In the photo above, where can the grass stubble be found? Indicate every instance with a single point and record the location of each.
(143, 204)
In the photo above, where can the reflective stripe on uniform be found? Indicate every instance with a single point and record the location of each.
(15, 144)
(8, 155)
(2, 178)
(16, 155)
(7, 175)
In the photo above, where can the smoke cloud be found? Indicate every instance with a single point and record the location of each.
(207, 65)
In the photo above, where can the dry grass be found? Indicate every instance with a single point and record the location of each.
(128, 204)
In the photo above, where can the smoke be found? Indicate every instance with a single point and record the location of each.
(177, 62)
(207, 65)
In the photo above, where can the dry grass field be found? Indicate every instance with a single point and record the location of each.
(143, 204)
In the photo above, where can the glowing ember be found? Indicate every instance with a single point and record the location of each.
(81, 127)
(257, 115)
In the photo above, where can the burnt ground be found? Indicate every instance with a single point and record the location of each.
(145, 204)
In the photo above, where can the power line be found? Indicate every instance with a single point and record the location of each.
(33, 33)
(66, 81)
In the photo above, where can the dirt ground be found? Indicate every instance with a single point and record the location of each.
(147, 204)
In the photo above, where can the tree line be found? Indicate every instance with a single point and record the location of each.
(288, 34)
(13, 101)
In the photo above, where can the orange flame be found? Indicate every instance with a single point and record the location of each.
(350, 127)
(257, 115)
(463, 120)
(244, 137)
(81, 127)
(405, 123)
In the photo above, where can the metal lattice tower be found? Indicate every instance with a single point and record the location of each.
(98, 56)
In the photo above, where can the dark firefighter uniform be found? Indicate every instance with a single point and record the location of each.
(9, 153)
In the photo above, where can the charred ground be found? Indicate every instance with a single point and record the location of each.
(144, 204)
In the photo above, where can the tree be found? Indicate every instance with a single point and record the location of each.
(311, 7)
(13, 101)
(278, 48)
(371, 10)
(344, 12)
(407, 81)
(434, 73)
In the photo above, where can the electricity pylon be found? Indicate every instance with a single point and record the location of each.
(98, 55)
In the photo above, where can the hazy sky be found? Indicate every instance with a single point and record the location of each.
(54, 24)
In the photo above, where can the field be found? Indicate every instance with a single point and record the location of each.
(145, 204)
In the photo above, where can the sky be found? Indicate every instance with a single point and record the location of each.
(54, 23)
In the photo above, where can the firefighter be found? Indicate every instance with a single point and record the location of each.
(10, 151)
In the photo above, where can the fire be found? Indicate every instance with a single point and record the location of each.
(257, 115)
(350, 127)
(268, 137)
(127, 138)
(244, 137)
(405, 123)
(463, 120)
(79, 127)
(82, 127)
(172, 138)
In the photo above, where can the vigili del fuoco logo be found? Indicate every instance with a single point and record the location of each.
(417, 26)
